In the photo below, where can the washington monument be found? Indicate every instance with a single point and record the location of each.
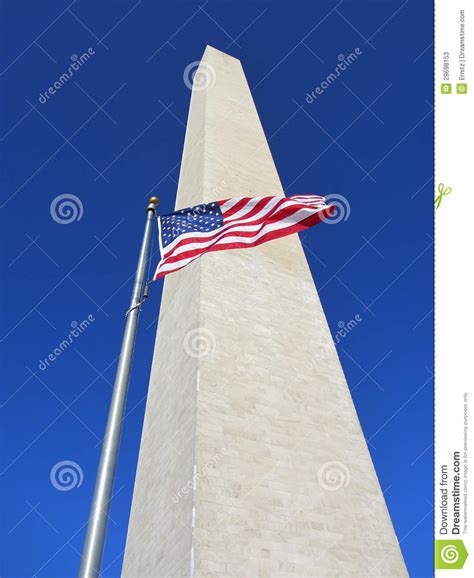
(252, 460)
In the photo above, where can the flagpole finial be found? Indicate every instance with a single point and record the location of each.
(152, 204)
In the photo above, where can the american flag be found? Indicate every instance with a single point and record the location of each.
(187, 234)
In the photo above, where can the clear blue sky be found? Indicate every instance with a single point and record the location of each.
(107, 137)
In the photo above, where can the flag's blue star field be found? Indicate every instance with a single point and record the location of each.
(200, 218)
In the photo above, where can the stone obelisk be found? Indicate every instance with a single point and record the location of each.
(252, 460)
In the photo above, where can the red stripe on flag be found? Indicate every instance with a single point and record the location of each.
(236, 207)
(220, 246)
(277, 213)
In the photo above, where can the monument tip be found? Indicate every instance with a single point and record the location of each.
(212, 51)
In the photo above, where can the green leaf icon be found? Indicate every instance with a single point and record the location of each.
(450, 554)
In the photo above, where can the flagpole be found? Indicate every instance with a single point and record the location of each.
(97, 526)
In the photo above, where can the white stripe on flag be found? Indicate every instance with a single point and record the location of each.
(293, 219)
(229, 204)
(227, 223)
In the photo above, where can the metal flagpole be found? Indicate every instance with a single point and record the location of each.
(97, 525)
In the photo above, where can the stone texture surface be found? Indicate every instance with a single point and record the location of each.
(252, 459)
